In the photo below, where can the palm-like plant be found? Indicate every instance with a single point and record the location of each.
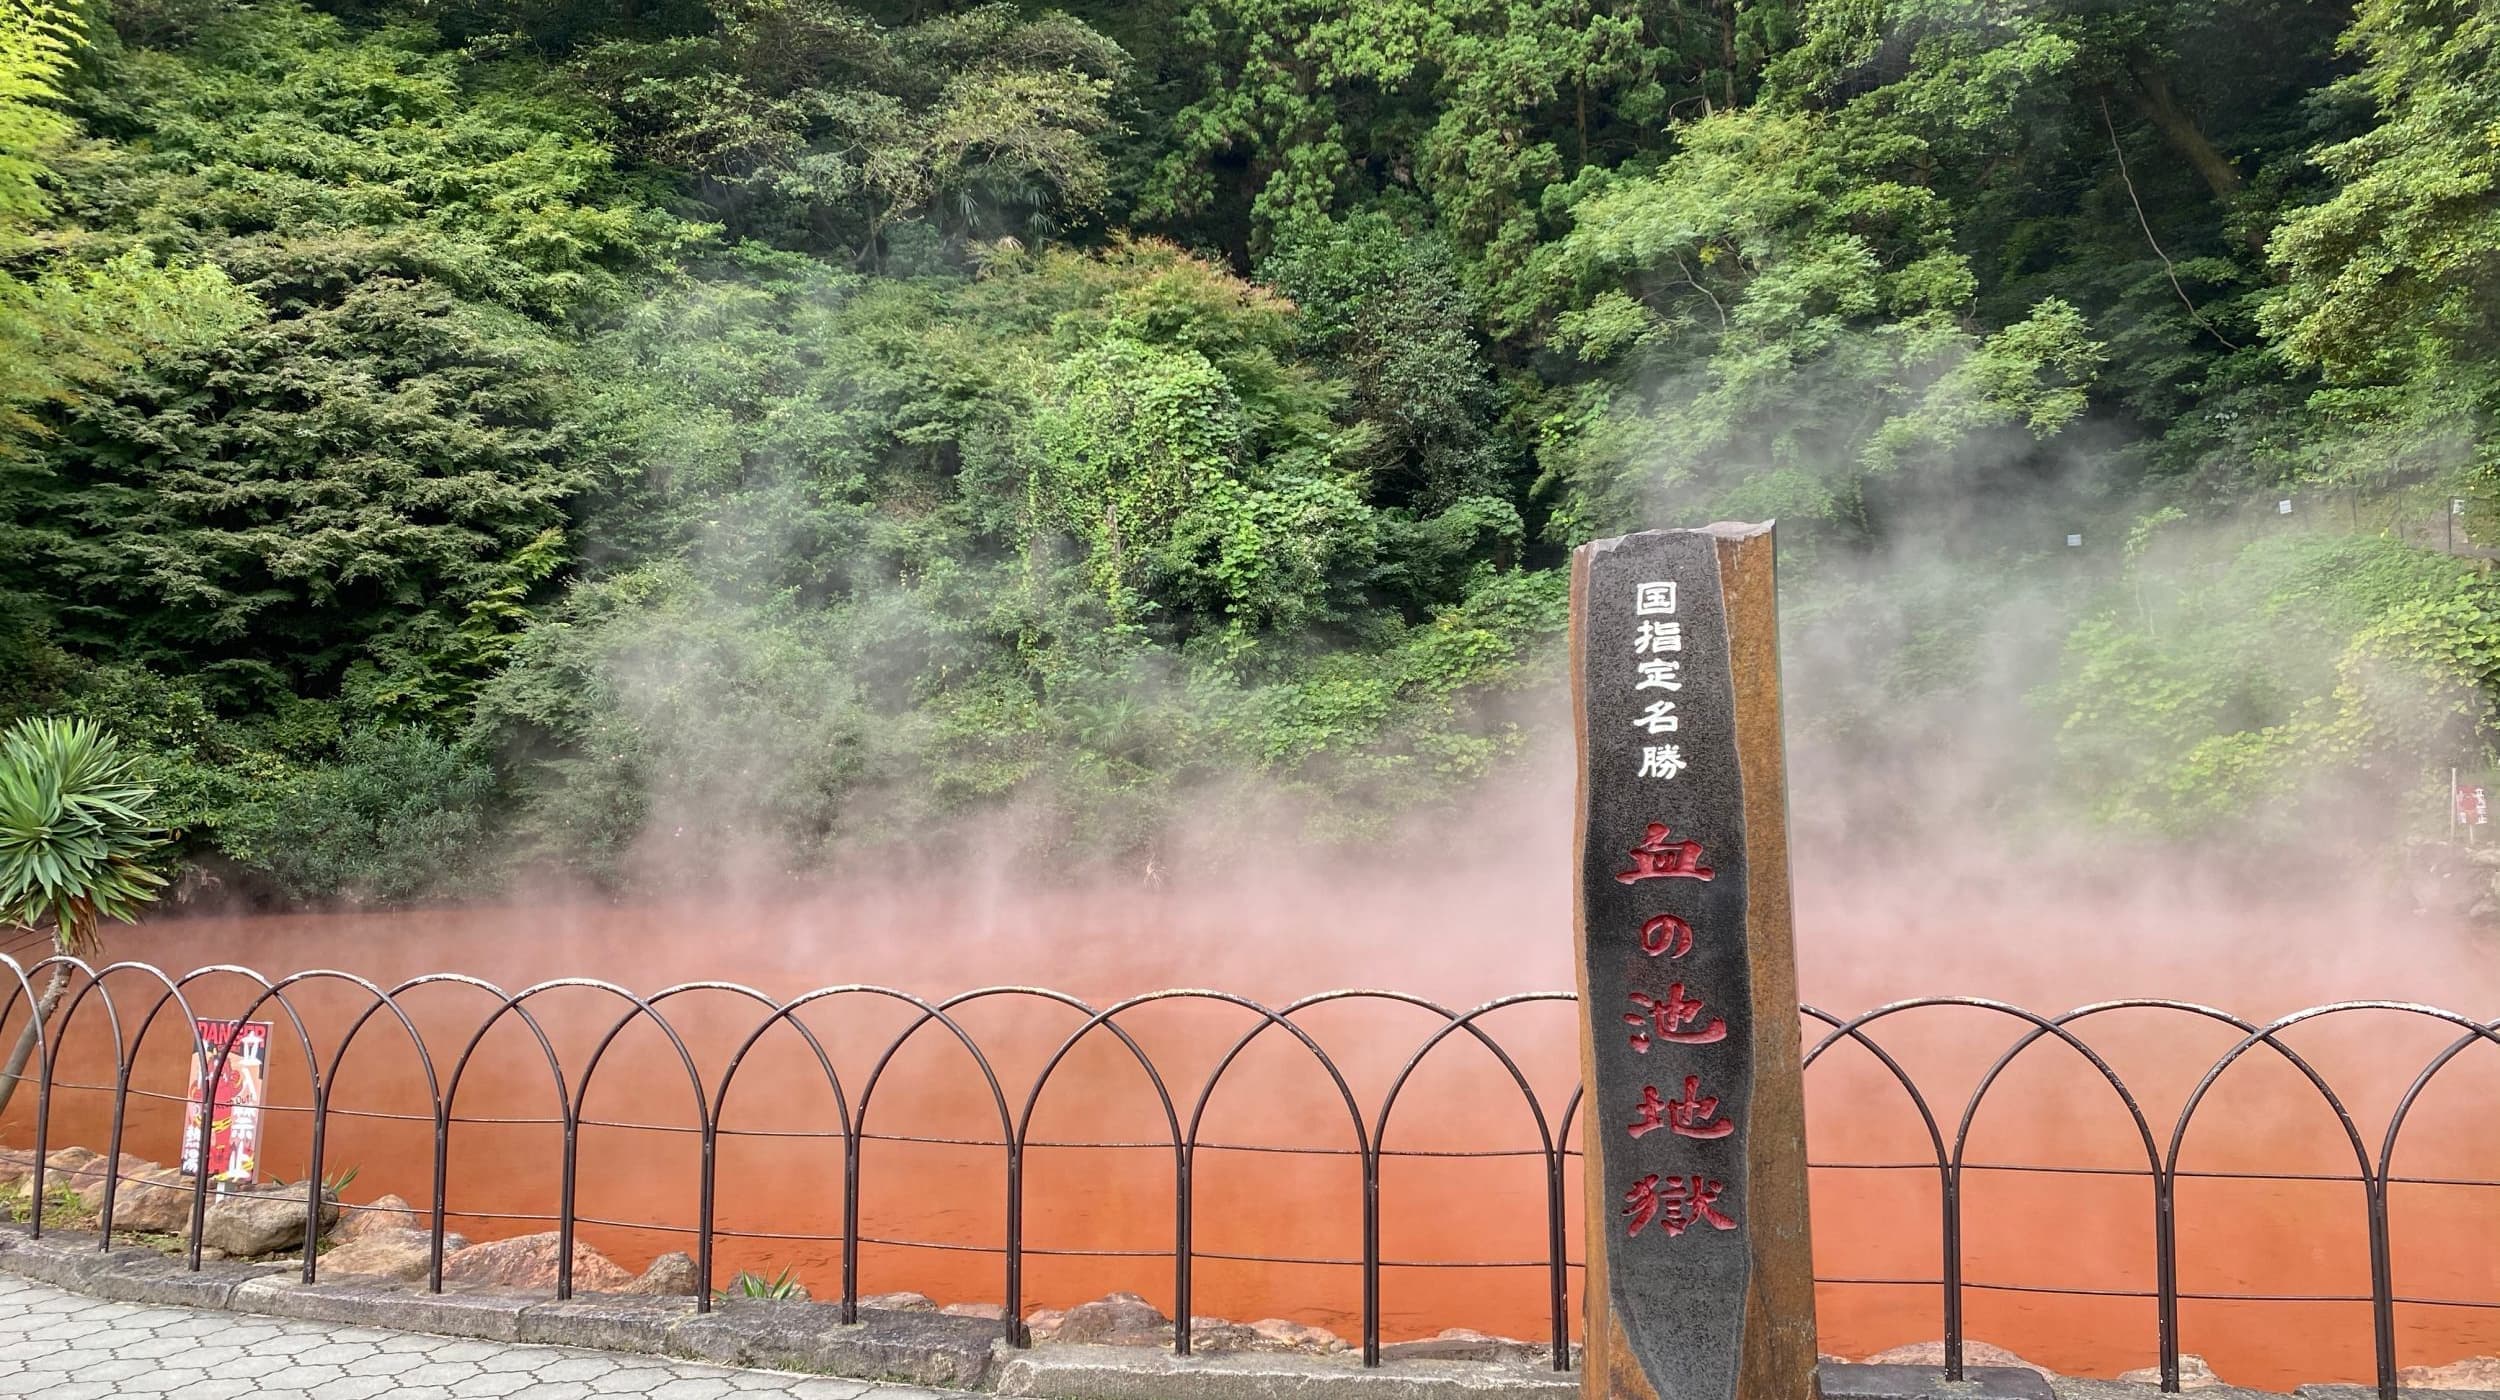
(75, 828)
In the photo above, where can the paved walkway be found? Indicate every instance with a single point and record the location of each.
(65, 1346)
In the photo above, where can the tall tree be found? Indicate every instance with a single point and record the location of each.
(2391, 285)
(71, 316)
(384, 444)
(1480, 111)
(807, 122)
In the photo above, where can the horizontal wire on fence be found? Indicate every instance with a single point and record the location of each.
(2145, 1294)
(833, 1135)
(2180, 1174)
(1549, 1138)
(1287, 1149)
(657, 1225)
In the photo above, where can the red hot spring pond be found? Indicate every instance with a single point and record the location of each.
(1100, 1218)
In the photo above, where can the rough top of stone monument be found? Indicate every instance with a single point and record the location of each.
(1717, 529)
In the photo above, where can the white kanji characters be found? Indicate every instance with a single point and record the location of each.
(1659, 718)
(1650, 599)
(1664, 761)
(1659, 637)
(1661, 675)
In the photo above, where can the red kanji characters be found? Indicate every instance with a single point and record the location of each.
(1652, 1112)
(1641, 1202)
(1658, 858)
(1668, 1018)
(1677, 1205)
(1665, 933)
(1690, 1116)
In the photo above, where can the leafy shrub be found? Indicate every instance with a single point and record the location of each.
(399, 813)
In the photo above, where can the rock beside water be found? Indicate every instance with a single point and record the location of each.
(1462, 1344)
(393, 1254)
(154, 1201)
(2194, 1374)
(670, 1275)
(1281, 1334)
(529, 1262)
(251, 1223)
(1121, 1319)
(1973, 1354)
(83, 1173)
(385, 1213)
(1269, 1334)
(64, 1163)
(2472, 1373)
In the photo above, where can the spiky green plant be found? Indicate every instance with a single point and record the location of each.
(75, 831)
(753, 1285)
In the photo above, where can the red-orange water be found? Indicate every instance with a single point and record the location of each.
(1459, 940)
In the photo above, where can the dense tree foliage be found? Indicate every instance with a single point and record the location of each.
(446, 440)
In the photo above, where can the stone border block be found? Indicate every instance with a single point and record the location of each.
(492, 1317)
(1137, 1373)
(64, 1261)
(2088, 1388)
(1844, 1380)
(145, 1276)
(929, 1349)
(606, 1322)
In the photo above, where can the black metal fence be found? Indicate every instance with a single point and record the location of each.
(84, 992)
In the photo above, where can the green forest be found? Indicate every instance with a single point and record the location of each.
(446, 440)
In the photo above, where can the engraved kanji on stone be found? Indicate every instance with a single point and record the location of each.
(1659, 718)
(1651, 1115)
(1650, 638)
(1677, 1203)
(1691, 1115)
(1658, 858)
(1666, 933)
(1662, 761)
(1667, 1018)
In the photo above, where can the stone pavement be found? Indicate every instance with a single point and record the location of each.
(64, 1346)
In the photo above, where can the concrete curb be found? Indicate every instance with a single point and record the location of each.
(2370, 1392)
(1881, 1381)
(488, 1317)
(1137, 1373)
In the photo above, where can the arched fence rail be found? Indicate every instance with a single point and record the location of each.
(139, 997)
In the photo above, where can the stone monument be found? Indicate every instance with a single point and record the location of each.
(1700, 1282)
